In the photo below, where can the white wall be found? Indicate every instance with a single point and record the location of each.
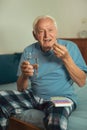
(16, 18)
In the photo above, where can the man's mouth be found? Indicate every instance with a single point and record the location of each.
(47, 40)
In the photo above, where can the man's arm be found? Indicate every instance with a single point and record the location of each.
(22, 83)
(75, 72)
(27, 70)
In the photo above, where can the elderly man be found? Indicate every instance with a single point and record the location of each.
(52, 66)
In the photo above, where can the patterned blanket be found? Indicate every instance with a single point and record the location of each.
(12, 103)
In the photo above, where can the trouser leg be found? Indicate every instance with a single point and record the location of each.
(51, 120)
(57, 118)
(64, 115)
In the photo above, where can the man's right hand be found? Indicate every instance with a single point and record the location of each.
(27, 69)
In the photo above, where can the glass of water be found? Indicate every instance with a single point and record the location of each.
(33, 59)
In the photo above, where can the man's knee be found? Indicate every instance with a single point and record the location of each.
(32, 116)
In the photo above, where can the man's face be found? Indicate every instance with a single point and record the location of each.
(46, 33)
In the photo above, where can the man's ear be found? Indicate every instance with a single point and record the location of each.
(35, 36)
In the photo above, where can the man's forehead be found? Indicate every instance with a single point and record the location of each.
(47, 23)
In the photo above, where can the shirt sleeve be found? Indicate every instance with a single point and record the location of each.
(77, 57)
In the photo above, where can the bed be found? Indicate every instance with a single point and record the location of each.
(8, 69)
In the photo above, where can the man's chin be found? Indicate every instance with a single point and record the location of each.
(47, 48)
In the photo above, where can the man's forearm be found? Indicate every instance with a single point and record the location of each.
(75, 72)
(22, 83)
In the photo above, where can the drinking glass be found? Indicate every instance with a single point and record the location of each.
(33, 59)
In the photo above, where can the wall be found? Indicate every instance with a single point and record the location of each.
(16, 18)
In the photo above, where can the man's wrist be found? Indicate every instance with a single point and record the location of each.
(24, 77)
(67, 60)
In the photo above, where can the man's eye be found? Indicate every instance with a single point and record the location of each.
(40, 31)
(50, 30)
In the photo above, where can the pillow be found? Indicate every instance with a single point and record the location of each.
(8, 67)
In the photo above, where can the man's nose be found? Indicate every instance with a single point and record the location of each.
(46, 34)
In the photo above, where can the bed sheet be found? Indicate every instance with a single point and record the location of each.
(9, 86)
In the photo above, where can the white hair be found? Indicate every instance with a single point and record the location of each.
(43, 17)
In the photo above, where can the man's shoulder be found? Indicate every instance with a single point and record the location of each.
(67, 43)
(33, 45)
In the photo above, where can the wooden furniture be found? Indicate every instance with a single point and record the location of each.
(16, 124)
(82, 44)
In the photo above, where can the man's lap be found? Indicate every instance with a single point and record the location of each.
(33, 116)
